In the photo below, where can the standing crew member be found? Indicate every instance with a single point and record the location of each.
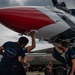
(13, 55)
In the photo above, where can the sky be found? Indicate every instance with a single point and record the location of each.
(9, 35)
(8, 3)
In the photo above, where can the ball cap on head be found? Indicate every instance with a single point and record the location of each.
(23, 40)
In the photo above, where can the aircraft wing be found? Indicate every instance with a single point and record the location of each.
(27, 18)
(46, 50)
(47, 21)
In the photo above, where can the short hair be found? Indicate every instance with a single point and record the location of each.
(65, 44)
(23, 40)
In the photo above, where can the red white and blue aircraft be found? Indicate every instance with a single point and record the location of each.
(49, 22)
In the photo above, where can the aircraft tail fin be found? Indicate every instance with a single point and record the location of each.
(55, 2)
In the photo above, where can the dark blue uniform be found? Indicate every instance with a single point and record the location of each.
(18, 68)
(12, 50)
(58, 56)
(69, 55)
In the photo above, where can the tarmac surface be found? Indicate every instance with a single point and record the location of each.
(35, 73)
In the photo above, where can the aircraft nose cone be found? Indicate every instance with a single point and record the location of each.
(22, 19)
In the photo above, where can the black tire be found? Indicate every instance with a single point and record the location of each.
(60, 71)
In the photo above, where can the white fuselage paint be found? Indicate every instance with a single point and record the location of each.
(53, 29)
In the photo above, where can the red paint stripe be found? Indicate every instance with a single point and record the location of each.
(23, 19)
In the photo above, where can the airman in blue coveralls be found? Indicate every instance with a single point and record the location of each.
(14, 52)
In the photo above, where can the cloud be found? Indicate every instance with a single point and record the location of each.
(7, 3)
(21, 2)
(4, 3)
(69, 3)
(31, 2)
(7, 35)
(17, 2)
(38, 3)
(14, 3)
